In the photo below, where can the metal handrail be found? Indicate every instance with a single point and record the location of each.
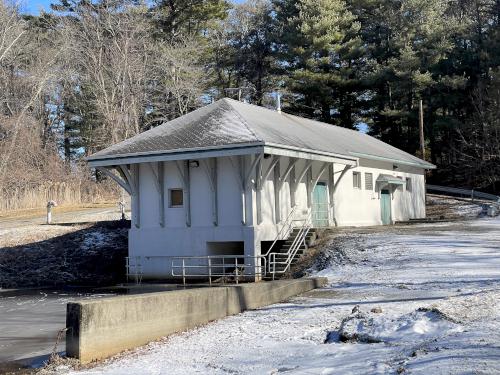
(137, 267)
(288, 225)
(473, 194)
(213, 269)
(294, 248)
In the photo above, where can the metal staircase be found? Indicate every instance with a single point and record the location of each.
(298, 233)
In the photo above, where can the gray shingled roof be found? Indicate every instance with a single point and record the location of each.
(229, 122)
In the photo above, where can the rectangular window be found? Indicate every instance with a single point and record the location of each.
(368, 181)
(356, 180)
(176, 197)
(408, 184)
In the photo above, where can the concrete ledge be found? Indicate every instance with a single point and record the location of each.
(101, 328)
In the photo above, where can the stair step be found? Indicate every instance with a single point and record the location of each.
(285, 249)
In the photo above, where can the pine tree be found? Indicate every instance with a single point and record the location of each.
(186, 17)
(325, 60)
(243, 50)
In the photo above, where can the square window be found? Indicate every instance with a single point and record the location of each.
(408, 184)
(176, 197)
(368, 181)
(356, 180)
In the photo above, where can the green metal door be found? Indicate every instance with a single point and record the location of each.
(320, 205)
(385, 207)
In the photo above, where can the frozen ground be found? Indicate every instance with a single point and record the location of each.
(418, 300)
(453, 208)
(86, 247)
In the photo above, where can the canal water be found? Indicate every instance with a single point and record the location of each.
(31, 319)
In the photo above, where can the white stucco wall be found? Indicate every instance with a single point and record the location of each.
(361, 207)
(351, 207)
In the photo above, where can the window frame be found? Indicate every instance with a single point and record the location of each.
(409, 184)
(356, 180)
(371, 181)
(170, 202)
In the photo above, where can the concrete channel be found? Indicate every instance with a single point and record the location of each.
(30, 319)
(97, 329)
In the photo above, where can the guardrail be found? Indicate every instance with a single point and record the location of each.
(473, 194)
(220, 266)
(228, 267)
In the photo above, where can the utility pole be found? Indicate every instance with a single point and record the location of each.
(422, 141)
(421, 126)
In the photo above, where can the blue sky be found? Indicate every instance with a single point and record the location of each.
(34, 6)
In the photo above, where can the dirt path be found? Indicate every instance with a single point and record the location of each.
(63, 215)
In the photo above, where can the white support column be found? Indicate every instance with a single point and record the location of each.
(135, 174)
(331, 182)
(157, 171)
(161, 177)
(258, 188)
(183, 169)
(292, 186)
(210, 168)
(242, 171)
(277, 192)
(187, 192)
(309, 187)
(215, 202)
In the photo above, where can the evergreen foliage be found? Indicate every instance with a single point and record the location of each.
(124, 66)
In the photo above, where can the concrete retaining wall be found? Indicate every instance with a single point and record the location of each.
(101, 328)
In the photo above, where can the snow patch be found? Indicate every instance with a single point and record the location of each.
(96, 239)
(419, 325)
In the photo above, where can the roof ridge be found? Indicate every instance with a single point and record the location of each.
(242, 118)
(296, 116)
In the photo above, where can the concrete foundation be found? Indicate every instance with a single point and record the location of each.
(101, 328)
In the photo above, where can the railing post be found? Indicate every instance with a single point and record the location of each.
(223, 270)
(236, 268)
(209, 271)
(183, 272)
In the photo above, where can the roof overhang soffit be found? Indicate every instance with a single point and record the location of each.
(177, 156)
(308, 155)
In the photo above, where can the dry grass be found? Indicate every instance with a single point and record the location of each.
(35, 212)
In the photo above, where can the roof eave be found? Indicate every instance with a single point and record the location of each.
(195, 153)
(423, 164)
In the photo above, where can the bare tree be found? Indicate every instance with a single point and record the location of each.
(27, 73)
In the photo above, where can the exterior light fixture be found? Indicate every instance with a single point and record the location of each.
(194, 163)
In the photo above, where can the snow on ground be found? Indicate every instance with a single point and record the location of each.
(421, 300)
(451, 207)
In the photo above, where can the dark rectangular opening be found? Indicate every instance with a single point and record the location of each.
(226, 248)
